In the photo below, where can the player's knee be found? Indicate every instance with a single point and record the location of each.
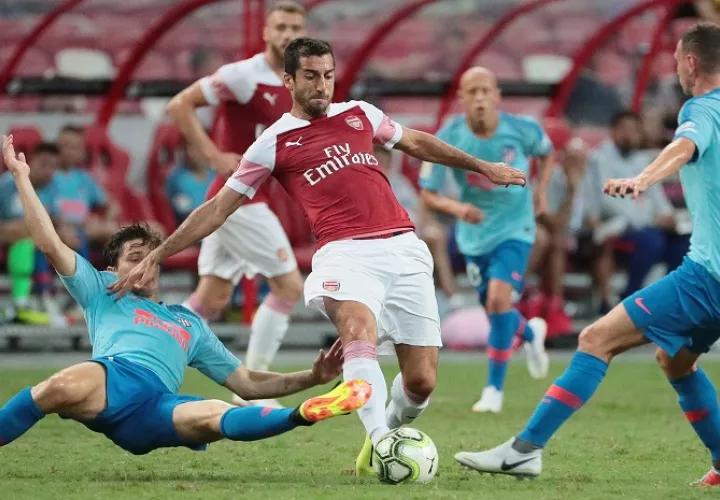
(673, 368)
(62, 390)
(356, 328)
(288, 287)
(420, 385)
(215, 301)
(593, 340)
(498, 303)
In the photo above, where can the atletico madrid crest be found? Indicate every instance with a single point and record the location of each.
(508, 154)
(354, 122)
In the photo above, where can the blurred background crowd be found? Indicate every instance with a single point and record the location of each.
(95, 171)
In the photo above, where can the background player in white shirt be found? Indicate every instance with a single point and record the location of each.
(250, 96)
(371, 275)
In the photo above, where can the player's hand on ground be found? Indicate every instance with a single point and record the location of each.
(501, 174)
(539, 203)
(470, 213)
(16, 164)
(624, 187)
(328, 365)
(138, 277)
(225, 164)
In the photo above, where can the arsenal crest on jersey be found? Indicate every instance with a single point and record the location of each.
(508, 154)
(354, 122)
(331, 286)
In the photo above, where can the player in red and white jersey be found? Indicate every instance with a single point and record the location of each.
(371, 275)
(250, 96)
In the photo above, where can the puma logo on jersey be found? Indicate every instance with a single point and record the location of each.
(294, 143)
(271, 98)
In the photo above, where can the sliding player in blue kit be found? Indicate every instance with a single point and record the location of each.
(679, 313)
(141, 347)
(496, 225)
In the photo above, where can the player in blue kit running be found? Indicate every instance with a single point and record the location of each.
(496, 226)
(679, 313)
(141, 347)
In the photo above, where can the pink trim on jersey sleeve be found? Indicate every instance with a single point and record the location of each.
(248, 178)
(220, 88)
(388, 133)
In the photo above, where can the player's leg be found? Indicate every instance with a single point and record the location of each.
(598, 343)
(357, 326)
(412, 387)
(698, 399)
(76, 392)
(205, 421)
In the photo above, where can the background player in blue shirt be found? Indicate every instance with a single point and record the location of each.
(496, 226)
(188, 182)
(141, 347)
(679, 313)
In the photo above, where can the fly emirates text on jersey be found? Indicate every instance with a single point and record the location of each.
(340, 157)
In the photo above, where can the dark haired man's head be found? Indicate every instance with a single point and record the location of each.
(71, 144)
(698, 55)
(43, 161)
(626, 131)
(127, 247)
(310, 74)
(286, 20)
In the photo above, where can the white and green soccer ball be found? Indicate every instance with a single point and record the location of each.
(405, 455)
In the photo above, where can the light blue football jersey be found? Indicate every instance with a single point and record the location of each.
(78, 194)
(699, 121)
(163, 338)
(508, 211)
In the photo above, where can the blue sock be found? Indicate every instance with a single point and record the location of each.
(699, 400)
(18, 416)
(502, 330)
(255, 422)
(523, 328)
(565, 397)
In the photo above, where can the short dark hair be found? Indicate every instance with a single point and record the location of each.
(73, 129)
(46, 147)
(624, 115)
(137, 231)
(703, 41)
(304, 47)
(289, 7)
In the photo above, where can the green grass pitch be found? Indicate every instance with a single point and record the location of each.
(631, 441)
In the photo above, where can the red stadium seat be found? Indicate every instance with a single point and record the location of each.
(161, 160)
(35, 62)
(154, 66)
(612, 68)
(504, 67)
(25, 138)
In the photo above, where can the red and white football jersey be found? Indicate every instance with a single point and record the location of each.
(251, 97)
(328, 166)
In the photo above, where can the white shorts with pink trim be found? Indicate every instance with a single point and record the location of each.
(251, 241)
(393, 277)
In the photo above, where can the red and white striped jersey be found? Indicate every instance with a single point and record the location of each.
(328, 166)
(251, 97)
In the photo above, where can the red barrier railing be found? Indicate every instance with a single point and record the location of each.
(585, 53)
(45, 23)
(645, 73)
(485, 42)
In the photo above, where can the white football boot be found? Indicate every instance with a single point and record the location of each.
(490, 401)
(504, 460)
(538, 362)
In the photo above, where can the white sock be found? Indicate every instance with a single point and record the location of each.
(361, 363)
(403, 407)
(267, 331)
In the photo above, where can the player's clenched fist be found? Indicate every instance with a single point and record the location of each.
(15, 164)
(467, 212)
(505, 175)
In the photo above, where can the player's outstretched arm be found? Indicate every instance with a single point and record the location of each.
(669, 162)
(201, 222)
(251, 385)
(38, 221)
(182, 109)
(426, 147)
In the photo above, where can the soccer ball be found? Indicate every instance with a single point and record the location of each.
(405, 455)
